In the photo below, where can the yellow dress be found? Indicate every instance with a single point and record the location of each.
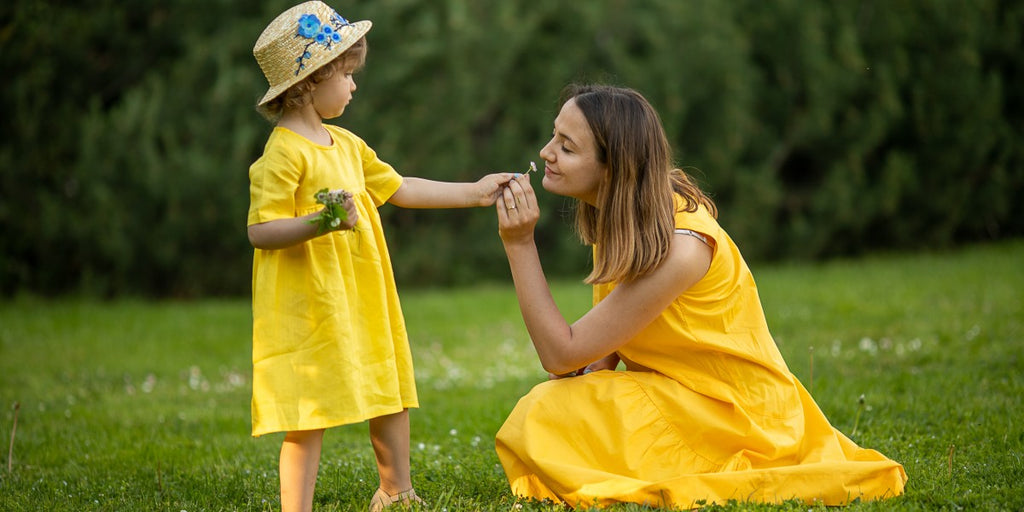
(719, 418)
(329, 340)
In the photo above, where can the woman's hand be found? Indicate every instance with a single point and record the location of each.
(517, 211)
(610, 362)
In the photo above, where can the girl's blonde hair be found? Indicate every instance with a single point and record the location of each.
(634, 219)
(298, 95)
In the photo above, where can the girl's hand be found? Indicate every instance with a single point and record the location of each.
(517, 211)
(353, 215)
(489, 187)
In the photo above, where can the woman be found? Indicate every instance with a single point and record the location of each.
(706, 409)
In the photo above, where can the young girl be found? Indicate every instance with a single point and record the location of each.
(329, 339)
(706, 410)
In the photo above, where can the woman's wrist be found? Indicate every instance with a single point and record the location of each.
(519, 245)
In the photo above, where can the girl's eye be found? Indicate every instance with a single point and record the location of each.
(566, 150)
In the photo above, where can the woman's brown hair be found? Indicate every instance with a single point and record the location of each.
(633, 222)
(352, 59)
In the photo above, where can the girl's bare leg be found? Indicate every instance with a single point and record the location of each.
(300, 461)
(390, 438)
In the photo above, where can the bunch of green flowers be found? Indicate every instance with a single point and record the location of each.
(334, 212)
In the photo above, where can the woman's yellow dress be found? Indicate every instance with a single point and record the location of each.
(720, 417)
(329, 340)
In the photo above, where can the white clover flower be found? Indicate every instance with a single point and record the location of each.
(868, 345)
(333, 213)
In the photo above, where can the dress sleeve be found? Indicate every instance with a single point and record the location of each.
(382, 180)
(273, 180)
(699, 224)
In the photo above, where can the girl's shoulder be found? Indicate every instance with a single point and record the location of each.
(281, 144)
(343, 135)
(349, 142)
(284, 140)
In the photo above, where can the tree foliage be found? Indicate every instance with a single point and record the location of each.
(821, 129)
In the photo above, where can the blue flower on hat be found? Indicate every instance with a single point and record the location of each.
(324, 37)
(309, 25)
(320, 33)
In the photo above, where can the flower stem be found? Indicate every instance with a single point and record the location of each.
(14, 428)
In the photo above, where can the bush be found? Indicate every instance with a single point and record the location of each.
(820, 129)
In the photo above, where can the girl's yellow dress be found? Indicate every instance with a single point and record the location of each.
(719, 417)
(329, 339)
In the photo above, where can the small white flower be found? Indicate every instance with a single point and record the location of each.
(915, 344)
(336, 222)
(868, 345)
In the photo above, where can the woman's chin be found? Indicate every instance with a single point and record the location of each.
(550, 185)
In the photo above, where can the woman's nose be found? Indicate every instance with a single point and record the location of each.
(546, 154)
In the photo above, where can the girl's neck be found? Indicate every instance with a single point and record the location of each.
(306, 122)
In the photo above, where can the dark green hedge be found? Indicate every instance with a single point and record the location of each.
(821, 128)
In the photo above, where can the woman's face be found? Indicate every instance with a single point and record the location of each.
(572, 167)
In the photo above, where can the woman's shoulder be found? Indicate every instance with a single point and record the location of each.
(699, 219)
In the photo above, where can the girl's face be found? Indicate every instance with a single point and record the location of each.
(331, 96)
(572, 168)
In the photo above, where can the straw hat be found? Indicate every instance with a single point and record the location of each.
(301, 40)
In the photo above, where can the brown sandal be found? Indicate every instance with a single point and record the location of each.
(382, 499)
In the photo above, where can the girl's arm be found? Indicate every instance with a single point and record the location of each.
(282, 233)
(564, 347)
(424, 193)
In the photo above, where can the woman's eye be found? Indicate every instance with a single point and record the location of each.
(565, 150)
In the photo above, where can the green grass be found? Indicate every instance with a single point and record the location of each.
(133, 405)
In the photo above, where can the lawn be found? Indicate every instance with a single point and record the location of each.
(139, 405)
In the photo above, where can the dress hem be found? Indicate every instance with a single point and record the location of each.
(337, 423)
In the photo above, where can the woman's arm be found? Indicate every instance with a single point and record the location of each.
(424, 193)
(564, 347)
